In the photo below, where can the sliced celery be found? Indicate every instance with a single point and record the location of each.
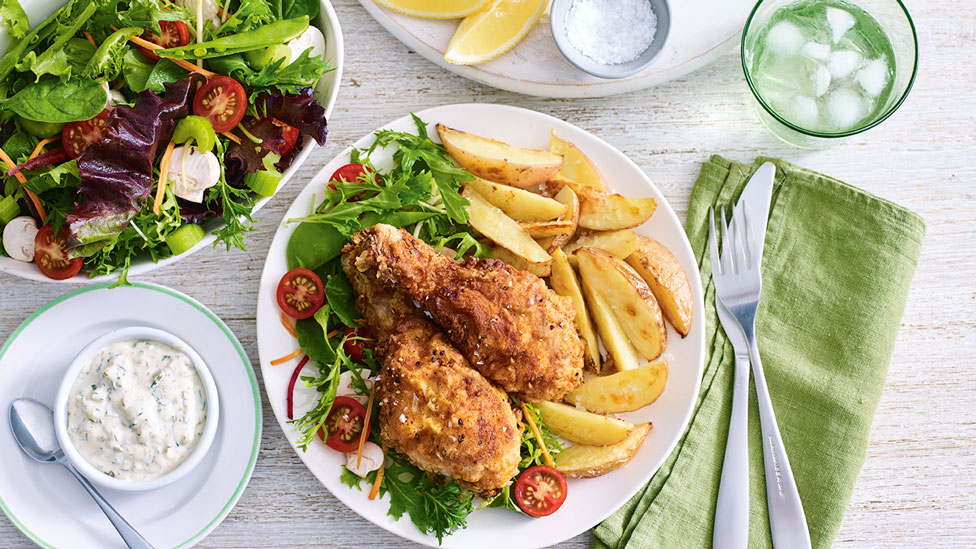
(184, 238)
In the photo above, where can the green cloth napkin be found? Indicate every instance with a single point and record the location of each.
(837, 267)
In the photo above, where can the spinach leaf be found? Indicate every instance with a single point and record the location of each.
(108, 58)
(164, 72)
(50, 100)
(313, 245)
(286, 9)
(15, 18)
(136, 69)
(60, 176)
(342, 300)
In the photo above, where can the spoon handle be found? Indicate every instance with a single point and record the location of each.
(132, 538)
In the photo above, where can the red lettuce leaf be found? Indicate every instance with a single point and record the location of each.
(247, 156)
(117, 171)
(300, 110)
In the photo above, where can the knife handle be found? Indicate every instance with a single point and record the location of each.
(731, 529)
(787, 522)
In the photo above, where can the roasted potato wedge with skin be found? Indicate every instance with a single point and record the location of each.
(623, 391)
(667, 280)
(583, 427)
(603, 211)
(625, 356)
(519, 204)
(620, 243)
(503, 230)
(576, 165)
(566, 196)
(497, 161)
(543, 269)
(544, 229)
(582, 461)
(563, 281)
(629, 298)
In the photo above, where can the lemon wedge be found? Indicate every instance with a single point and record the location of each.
(493, 31)
(434, 9)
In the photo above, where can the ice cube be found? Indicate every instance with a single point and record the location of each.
(842, 63)
(873, 77)
(816, 50)
(822, 78)
(840, 22)
(785, 38)
(803, 112)
(844, 108)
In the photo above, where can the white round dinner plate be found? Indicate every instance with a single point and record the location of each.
(326, 91)
(590, 500)
(45, 502)
(701, 31)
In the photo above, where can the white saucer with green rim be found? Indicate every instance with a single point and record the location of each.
(45, 502)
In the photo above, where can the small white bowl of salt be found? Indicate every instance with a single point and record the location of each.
(610, 38)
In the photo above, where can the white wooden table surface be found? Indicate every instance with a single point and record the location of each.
(918, 486)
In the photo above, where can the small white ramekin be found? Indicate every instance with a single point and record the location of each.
(64, 392)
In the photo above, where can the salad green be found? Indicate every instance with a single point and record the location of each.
(95, 99)
(421, 194)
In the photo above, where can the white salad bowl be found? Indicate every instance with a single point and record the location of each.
(64, 392)
(326, 92)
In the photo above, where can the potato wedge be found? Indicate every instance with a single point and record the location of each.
(603, 211)
(519, 204)
(620, 243)
(563, 282)
(623, 391)
(583, 427)
(568, 197)
(629, 298)
(503, 230)
(582, 461)
(625, 356)
(667, 280)
(542, 269)
(497, 161)
(544, 229)
(576, 165)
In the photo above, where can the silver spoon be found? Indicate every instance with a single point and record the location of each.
(33, 426)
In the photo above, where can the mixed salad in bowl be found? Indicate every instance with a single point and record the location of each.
(127, 126)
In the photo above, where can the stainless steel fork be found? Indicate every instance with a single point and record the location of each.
(738, 284)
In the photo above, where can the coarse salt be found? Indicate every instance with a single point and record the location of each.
(611, 32)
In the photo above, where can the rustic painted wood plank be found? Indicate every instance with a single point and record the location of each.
(917, 488)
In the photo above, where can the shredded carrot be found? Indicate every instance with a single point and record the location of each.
(88, 37)
(288, 325)
(40, 146)
(332, 334)
(362, 437)
(377, 481)
(181, 62)
(538, 437)
(20, 177)
(232, 137)
(161, 187)
(286, 358)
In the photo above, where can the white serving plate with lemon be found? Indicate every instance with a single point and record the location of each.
(701, 30)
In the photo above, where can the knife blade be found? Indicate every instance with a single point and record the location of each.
(757, 196)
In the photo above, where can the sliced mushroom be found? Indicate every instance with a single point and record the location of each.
(18, 238)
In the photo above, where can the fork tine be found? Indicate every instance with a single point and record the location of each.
(742, 249)
(713, 243)
(728, 256)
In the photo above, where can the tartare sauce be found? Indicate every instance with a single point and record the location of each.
(137, 409)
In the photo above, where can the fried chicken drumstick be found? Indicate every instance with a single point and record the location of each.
(443, 415)
(513, 329)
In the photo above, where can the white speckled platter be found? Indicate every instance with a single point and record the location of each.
(701, 30)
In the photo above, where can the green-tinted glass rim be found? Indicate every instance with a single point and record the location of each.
(783, 121)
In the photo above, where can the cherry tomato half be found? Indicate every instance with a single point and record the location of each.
(349, 173)
(345, 424)
(540, 490)
(221, 100)
(354, 347)
(300, 293)
(290, 134)
(76, 136)
(174, 34)
(51, 256)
